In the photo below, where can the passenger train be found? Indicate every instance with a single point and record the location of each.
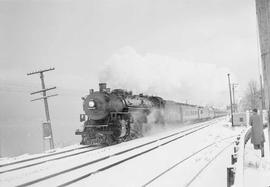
(114, 116)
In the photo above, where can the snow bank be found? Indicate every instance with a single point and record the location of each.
(256, 168)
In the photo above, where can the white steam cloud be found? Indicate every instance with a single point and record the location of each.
(170, 78)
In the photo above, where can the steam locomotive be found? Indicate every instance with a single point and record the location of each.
(114, 116)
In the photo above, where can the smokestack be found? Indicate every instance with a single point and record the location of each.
(102, 87)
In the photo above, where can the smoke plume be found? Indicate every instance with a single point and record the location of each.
(168, 77)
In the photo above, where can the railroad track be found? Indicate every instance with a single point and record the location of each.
(208, 163)
(9, 167)
(111, 160)
(192, 155)
(43, 156)
(30, 162)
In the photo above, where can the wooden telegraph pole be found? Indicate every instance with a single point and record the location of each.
(233, 93)
(263, 18)
(230, 90)
(47, 129)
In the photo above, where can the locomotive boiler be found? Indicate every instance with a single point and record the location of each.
(114, 116)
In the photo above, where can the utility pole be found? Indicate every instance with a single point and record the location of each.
(47, 129)
(263, 18)
(233, 98)
(229, 81)
(233, 93)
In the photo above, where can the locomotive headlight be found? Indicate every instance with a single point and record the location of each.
(91, 104)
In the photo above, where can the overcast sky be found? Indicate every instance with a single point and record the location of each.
(177, 49)
(79, 37)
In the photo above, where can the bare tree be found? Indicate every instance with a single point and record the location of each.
(252, 98)
(253, 93)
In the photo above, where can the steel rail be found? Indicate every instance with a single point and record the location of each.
(43, 156)
(57, 153)
(197, 128)
(206, 165)
(126, 159)
(185, 159)
(46, 161)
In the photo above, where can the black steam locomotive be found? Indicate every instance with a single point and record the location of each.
(115, 116)
(118, 115)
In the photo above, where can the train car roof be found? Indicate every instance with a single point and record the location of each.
(184, 104)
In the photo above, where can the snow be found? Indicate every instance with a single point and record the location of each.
(6, 160)
(256, 168)
(141, 170)
(163, 166)
(48, 168)
(215, 174)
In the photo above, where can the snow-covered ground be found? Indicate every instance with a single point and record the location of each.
(202, 156)
(6, 160)
(164, 161)
(256, 168)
